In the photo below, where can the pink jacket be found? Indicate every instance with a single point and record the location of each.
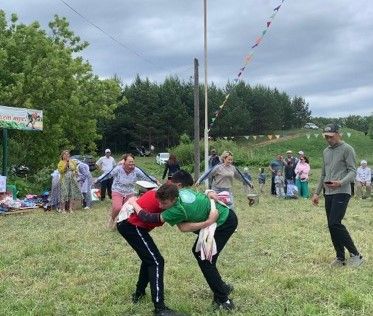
(302, 170)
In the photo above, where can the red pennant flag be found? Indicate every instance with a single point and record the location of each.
(268, 23)
(248, 58)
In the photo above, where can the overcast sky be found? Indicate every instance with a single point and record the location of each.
(320, 50)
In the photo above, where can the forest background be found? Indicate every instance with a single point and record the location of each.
(42, 69)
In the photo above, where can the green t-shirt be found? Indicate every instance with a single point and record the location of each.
(192, 206)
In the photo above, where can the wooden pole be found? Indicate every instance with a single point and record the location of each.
(206, 133)
(196, 122)
(5, 152)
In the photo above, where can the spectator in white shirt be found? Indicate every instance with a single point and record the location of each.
(106, 164)
(363, 179)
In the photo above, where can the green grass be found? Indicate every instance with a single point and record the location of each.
(278, 261)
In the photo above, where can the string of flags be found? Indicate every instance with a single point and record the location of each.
(247, 59)
(275, 136)
(317, 135)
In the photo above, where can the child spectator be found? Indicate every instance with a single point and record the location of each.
(261, 179)
(246, 174)
(280, 184)
(292, 190)
(85, 184)
(213, 159)
(248, 178)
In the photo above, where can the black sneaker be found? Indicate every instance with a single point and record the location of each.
(229, 288)
(136, 297)
(228, 305)
(165, 311)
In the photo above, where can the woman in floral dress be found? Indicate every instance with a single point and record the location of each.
(69, 187)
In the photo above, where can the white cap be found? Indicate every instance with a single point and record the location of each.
(363, 162)
(245, 169)
(107, 150)
(300, 152)
(289, 152)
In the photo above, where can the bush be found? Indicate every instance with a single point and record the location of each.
(242, 157)
(41, 180)
(34, 184)
(23, 185)
(184, 153)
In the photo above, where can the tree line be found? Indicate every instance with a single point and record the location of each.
(158, 114)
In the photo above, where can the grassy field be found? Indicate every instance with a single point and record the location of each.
(278, 262)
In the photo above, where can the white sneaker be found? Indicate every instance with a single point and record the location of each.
(86, 208)
(337, 263)
(355, 260)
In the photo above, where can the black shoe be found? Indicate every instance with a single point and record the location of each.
(136, 297)
(228, 305)
(229, 288)
(165, 311)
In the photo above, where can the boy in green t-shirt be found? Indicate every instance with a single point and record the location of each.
(190, 210)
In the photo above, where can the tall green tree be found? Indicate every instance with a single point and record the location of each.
(301, 110)
(44, 71)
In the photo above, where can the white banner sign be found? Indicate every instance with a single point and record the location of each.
(21, 118)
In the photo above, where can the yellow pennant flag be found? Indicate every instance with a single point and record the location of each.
(308, 136)
(254, 136)
(277, 136)
(269, 136)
